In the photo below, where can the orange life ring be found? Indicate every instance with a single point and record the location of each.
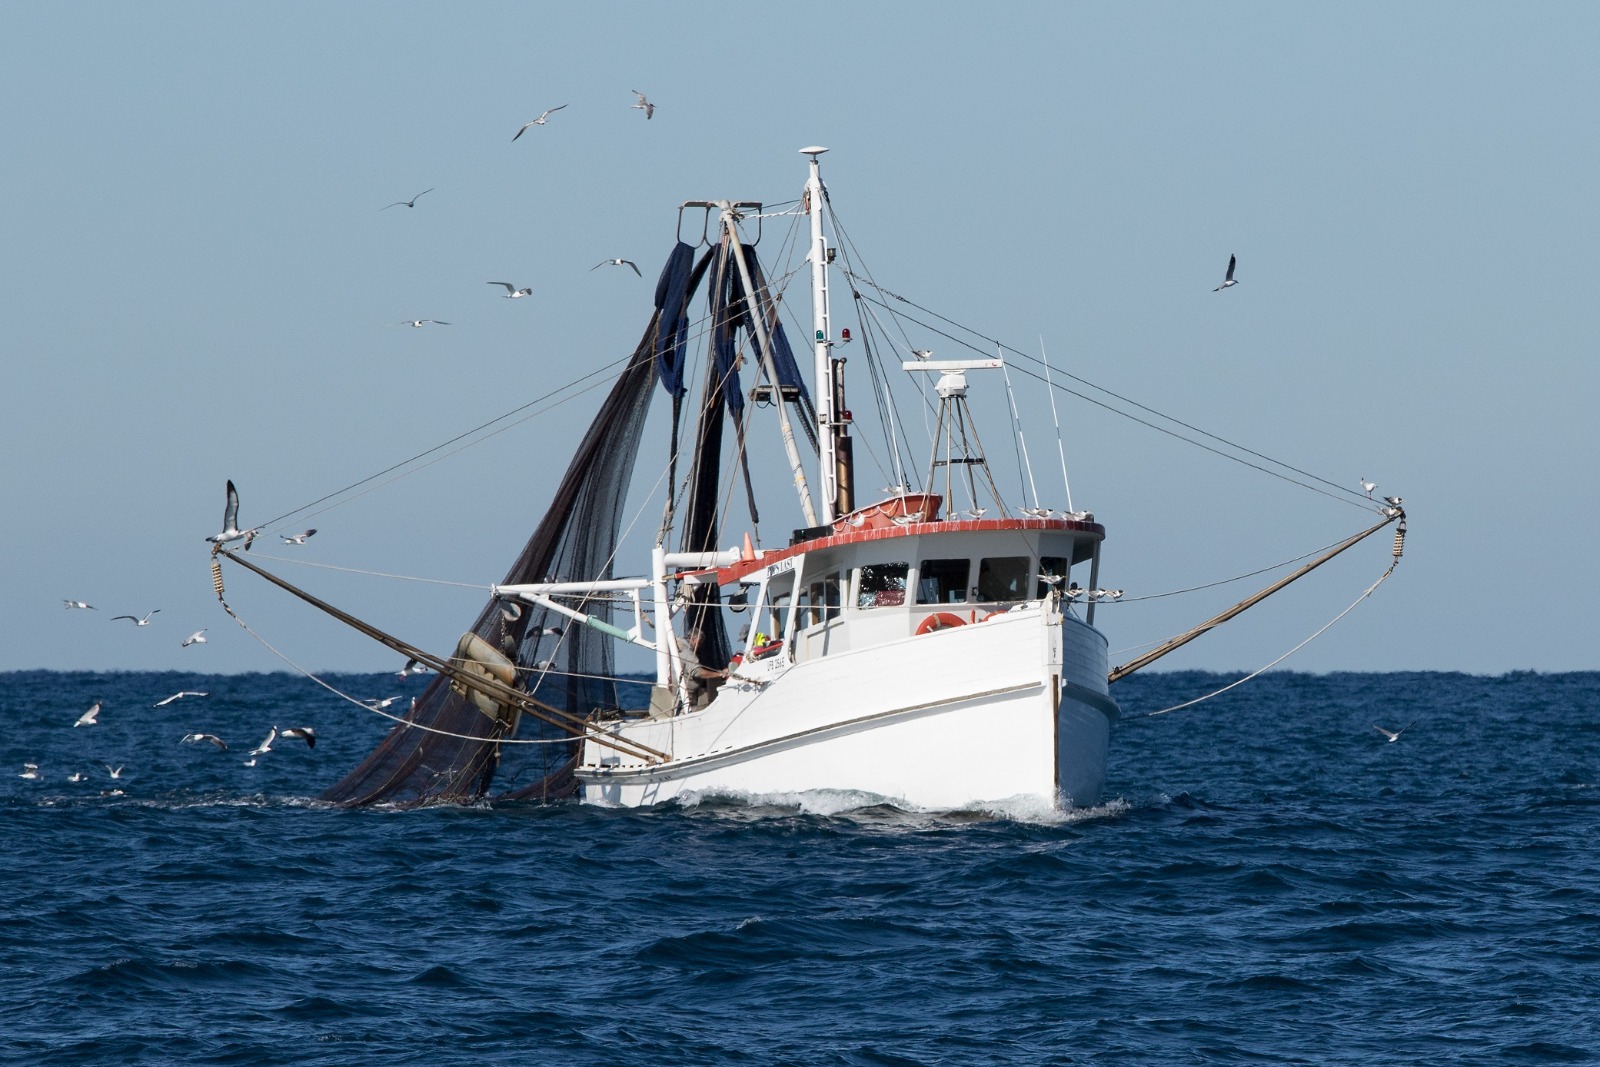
(939, 620)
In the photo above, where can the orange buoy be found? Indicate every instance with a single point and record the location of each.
(939, 620)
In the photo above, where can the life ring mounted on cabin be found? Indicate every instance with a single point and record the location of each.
(939, 620)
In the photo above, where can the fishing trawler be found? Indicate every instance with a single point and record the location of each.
(934, 646)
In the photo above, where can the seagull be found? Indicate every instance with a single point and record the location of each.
(1394, 735)
(196, 638)
(193, 739)
(375, 704)
(407, 203)
(512, 292)
(538, 121)
(617, 263)
(301, 733)
(1392, 501)
(551, 631)
(78, 604)
(230, 523)
(297, 539)
(76, 776)
(644, 105)
(30, 771)
(90, 717)
(1229, 280)
(1367, 487)
(177, 696)
(115, 772)
(922, 353)
(137, 621)
(418, 324)
(412, 667)
(263, 748)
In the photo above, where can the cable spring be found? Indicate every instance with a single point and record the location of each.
(216, 577)
(1399, 540)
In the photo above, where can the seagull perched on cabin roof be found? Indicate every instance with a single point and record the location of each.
(537, 122)
(1233, 261)
(512, 292)
(230, 523)
(644, 105)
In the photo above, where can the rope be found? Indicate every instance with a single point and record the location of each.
(1399, 534)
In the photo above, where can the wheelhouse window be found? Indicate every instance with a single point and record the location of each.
(943, 581)
(1004, 578)
(881, 585)
(819, 602)
(1051, 567)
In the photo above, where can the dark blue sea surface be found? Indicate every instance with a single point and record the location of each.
(1268, 881)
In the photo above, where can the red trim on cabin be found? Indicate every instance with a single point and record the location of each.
(729, 575)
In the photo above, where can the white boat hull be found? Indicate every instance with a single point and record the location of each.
(1012, 708)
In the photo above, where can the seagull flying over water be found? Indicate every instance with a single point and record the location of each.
(30, 771)
(418, 324)
(301, 733)
(264, 747)
(406, 203)
(230, 523)
(617, 263)
(90, 717)
(196, 638)
(194, 739)
(136, 620)
(78, 604)
(1394, 735)
(115, 772)
(412, 667)
(178, 696)
(297, 539)
(644, 105)
(376, 704)
(512, 292)
(538, 121)
(1233, 261)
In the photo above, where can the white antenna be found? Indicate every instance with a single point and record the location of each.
(1016, 422)
(1060, 448)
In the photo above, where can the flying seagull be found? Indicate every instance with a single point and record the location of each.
(90, 717)
(136, 620)
(644, 105)
(297, 539)
(1367, 487)
(301, 733)
(196, 638)
(376, 704)
(1233, 261)
(178, 696)
(512, 292)
(537, 122)
(420, 323)
(407, 203)
(230, 523)
(412, 667)
(264, 747)
(193, 739)
(1394, 735)
(617, 263)
(29, 771)
(78, 604)
(115, 772)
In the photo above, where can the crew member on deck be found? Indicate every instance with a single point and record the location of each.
(700, 682)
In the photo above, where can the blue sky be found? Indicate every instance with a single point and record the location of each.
(199, 285)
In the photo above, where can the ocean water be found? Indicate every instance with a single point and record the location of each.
(1268, 881)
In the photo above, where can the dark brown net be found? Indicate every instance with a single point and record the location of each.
(447, 750)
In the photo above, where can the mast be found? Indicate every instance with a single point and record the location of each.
(832, 488)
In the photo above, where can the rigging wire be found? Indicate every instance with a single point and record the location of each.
(1101, 389)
